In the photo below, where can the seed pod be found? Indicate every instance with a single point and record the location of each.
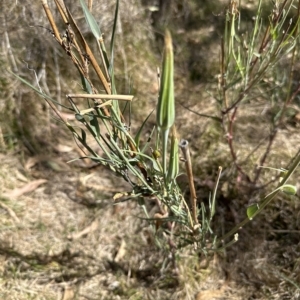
(156, 154)
(165, 113)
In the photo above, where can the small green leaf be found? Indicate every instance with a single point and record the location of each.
(90, 117)
(86, 85)
(83, 136)
(251, 210)
(289, 189)
(95, 126)
(79, 117)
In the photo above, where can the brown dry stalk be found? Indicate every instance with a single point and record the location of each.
(184, 146)
(51, 20)
(101, 96)
(89, 53)
(90, 5)
(62, 10)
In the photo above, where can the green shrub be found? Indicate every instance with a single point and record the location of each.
(248, 61)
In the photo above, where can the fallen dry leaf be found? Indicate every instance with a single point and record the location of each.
(10, 211)
(63, 148)
(31, 186)
(69, 293)
(21, 177)
(121, 252)
(53, 163)
(32, 161)
(212, 294)
(85, 231)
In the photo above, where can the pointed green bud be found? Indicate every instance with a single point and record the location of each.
(165, 113)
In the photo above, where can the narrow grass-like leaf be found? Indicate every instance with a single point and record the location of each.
(148, 141)
(96, 32)
(83, 136)
(85, 84)
(39, 92)
(138, 135)
(212, 205)
(95, 126)
(91, 20)
(112, 41)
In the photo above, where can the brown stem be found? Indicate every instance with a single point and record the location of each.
(89, 53)
(51, 20)
(230, 143)
(188, 165)
(62, 10)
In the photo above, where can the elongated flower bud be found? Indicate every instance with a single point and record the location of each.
(165, 113)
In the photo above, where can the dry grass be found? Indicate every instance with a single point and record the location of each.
(66, 239)
(46, 254)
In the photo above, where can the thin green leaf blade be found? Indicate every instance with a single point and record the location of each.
(83, 136)
(95, 126)
(112, 45)
(138, 135)
(38, 91)
(85, 84)
(91, 20)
